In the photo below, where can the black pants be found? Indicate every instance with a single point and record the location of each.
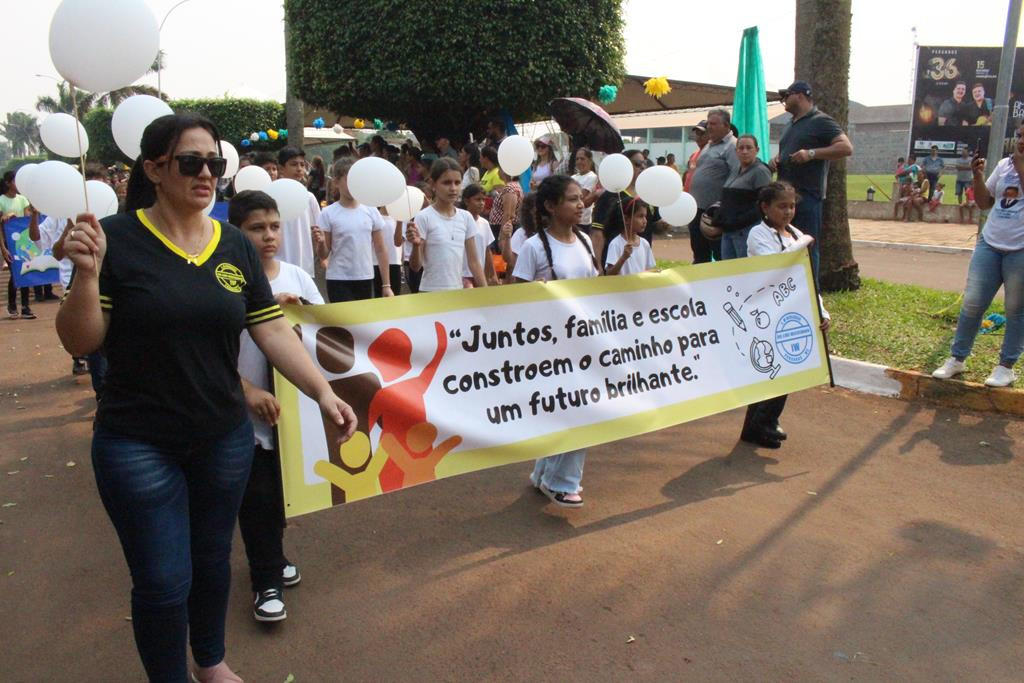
(933, 180)
(412, 278)
(349, 290)
(764, 415)
(261, 520)
(395, 272)
(703, 248)
(43, 292)
(12, 301)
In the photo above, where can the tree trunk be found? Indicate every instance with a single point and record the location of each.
(823, 60)
(294, 110)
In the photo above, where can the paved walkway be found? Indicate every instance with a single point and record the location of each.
(941, 234)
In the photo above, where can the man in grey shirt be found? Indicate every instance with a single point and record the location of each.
(933, 166)
(717, 161)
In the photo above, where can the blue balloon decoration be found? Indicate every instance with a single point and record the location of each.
(263, 135)
(246, 142)
(607, 94)
(318, 122)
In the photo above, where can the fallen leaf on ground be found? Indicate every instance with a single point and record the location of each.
(984, 443)
(720, 541)
(71, 463)
(9, 505)
(13, 472)
(10, 573)
(48, 476)
(812, 493)
(290, 679)
(631, 639)
(24, 458)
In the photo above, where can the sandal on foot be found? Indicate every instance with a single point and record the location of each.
(560, 498)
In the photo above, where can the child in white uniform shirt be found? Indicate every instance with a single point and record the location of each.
(474, 199)
(629, 252)
(261, 517)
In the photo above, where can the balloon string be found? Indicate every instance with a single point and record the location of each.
(81, 159)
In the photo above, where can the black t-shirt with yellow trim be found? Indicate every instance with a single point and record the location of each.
(175, 321)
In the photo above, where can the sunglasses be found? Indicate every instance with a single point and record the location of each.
(192, 165)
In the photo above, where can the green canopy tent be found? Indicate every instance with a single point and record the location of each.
(750, 105)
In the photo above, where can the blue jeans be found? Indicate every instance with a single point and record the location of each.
(560, 473)
(174, 509)
(989, 269)
(808, 220)
(97, 371)
(734, 244)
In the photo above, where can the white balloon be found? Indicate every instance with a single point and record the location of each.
(407, 206)
(615, 172)
(291, 196)
(659, 185)
(102, 198)
(515, 154)
(252, 178)
(103, 45)
(338, 129)
(255, 137)
(228, 151)
(131, 118)
(680, 212)
(23, 180)
(57, 132)
(58, 189)
(375, 182)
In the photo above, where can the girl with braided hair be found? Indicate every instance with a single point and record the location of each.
(559, 251)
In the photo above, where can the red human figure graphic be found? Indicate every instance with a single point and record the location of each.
(418, 464)
(399, 407)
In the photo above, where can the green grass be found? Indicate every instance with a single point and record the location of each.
(901, 326)
(906, 327)
(857, 187)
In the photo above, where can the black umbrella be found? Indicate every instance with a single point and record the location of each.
(587, 124)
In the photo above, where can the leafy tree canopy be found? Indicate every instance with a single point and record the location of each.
(444, 66)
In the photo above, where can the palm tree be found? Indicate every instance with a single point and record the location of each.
(22, 133)
(826, 65)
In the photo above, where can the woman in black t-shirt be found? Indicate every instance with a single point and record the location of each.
(166, 291)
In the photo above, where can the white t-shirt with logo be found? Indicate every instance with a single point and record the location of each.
(351, 232)
(297, 237)
(394, 253)
(483, 237)
(50, 231)
(572, 261)
(252, 364)
(642, 258)
(445, 247)
(1004, 229)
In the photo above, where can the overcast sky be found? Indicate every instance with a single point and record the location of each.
(237, 46)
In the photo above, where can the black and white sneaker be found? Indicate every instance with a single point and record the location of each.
(268, 606)
(290, 575)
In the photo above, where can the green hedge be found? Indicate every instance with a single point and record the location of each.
(443, 66)
(102, 147)
(14, 163)
(237, 118)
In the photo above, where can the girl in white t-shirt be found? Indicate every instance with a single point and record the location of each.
(587, 179)
(775, 235)
(474, 199)
(353, 233)
(559, 251)
(629, 252)
(442, 234)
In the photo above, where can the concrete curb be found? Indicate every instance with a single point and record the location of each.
(910, 386)
(936, 248)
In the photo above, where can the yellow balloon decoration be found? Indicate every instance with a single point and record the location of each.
(359, 123)
(272, 134)
(657, 87)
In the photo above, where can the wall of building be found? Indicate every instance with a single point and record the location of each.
(876, 146)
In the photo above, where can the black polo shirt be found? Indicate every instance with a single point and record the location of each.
(813, 130)
(172, 345)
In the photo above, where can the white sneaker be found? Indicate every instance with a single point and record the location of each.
(1001, 376)
(951, 368)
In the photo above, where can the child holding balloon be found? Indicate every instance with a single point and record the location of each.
(629, 252)
(443, 235)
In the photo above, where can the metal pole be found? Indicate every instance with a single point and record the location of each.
(1000, 110)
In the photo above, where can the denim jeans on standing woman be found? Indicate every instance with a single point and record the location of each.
(734, 244)
(174, 509)
(560, 473)
(989, 269)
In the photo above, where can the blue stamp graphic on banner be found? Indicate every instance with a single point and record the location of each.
(794, 338)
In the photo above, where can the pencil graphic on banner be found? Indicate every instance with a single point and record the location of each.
(735, 315)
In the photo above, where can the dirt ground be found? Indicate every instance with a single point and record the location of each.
(882, 542)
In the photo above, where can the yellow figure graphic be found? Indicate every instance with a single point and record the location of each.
(354, 452)
(420, 469)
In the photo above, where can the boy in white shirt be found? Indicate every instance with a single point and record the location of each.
(298, 234)
(261, 517)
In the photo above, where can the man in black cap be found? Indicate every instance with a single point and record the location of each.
(809, 141)
(298, 234)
